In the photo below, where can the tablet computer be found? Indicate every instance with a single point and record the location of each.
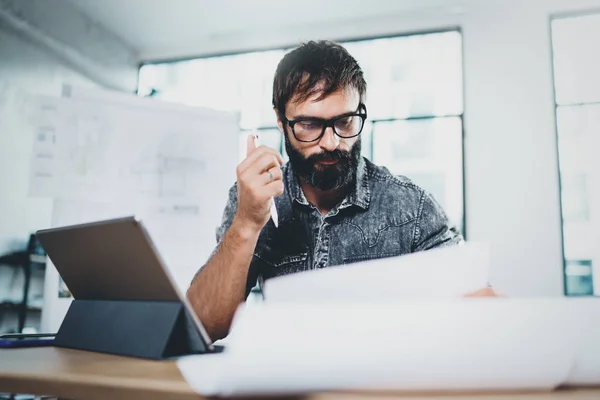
(114, 260)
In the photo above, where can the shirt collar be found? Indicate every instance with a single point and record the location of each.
(360, 195)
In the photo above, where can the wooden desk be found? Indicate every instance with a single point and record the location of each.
(74, 374)
(83, 375)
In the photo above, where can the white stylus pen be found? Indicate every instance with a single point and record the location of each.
(274, 215)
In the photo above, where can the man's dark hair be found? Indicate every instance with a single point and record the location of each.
(315, 67)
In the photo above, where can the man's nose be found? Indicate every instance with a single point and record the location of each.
(330, 141)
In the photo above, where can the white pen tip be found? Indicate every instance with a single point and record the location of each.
(274, 215)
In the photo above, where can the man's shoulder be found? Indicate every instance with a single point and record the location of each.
(410, 201)
(383, 181)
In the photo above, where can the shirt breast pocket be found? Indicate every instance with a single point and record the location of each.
(276, 261)
(368, 241)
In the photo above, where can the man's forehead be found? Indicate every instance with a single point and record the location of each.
(338, 102)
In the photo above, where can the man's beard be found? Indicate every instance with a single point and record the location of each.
(323, 176)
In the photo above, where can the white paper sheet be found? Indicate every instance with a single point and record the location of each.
(99, 150)
(446, 272)
(76, 151)
(586, 370)
(107, 155)
(45, 125)
(437, 345)
(205, 373)
(166, 163)
(176, 177)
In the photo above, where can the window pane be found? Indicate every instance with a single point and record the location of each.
(578, 144)
(412, 75)
(578, 136)
(429, 152)
(574, 192)
(241, 83)
(578, 240)
(576, 59)
(579, 278)
(407, 76)
(271, 138)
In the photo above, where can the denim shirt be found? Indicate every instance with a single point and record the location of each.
(383, 216)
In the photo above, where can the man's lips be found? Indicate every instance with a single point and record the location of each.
(327, 162)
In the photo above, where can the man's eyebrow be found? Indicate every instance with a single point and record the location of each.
(303, 116)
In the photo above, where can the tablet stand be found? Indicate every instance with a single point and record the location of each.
(147, 329)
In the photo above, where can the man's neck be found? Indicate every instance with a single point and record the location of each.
(324, 200)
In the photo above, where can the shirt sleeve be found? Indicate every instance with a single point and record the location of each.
(433, 229)
(227, 218)
(226, 221)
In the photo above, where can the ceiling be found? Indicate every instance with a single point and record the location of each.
(161, 29)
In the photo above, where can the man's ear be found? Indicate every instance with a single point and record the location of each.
(279, 121)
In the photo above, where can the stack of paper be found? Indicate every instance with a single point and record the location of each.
(401, 324)
(461, 345)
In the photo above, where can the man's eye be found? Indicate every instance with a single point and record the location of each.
(309, 125)
(344, 122)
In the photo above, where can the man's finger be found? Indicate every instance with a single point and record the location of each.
(250, 144)
(274, 189)
(485, 292)
(260, 167)
(264, 163)
(271, 175)
(257, 155)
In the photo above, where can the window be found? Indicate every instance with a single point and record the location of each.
(241, 83)
(414, 99)
(577, 97)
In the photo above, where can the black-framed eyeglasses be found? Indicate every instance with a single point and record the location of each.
(311, 129)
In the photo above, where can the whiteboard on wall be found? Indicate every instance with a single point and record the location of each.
(104, 155)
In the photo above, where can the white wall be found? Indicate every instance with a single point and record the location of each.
(26, 69)
(42, 47)
(75, 39)
(23, 69)
(512, 173)
(33, 63)
(512, 190)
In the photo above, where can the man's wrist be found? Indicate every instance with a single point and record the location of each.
(244, 230)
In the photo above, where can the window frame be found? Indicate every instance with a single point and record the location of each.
(557, 107)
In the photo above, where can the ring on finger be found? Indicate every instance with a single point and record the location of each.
(271, 175)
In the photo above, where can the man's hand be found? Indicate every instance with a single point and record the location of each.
(485, 292)
(259, 178)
